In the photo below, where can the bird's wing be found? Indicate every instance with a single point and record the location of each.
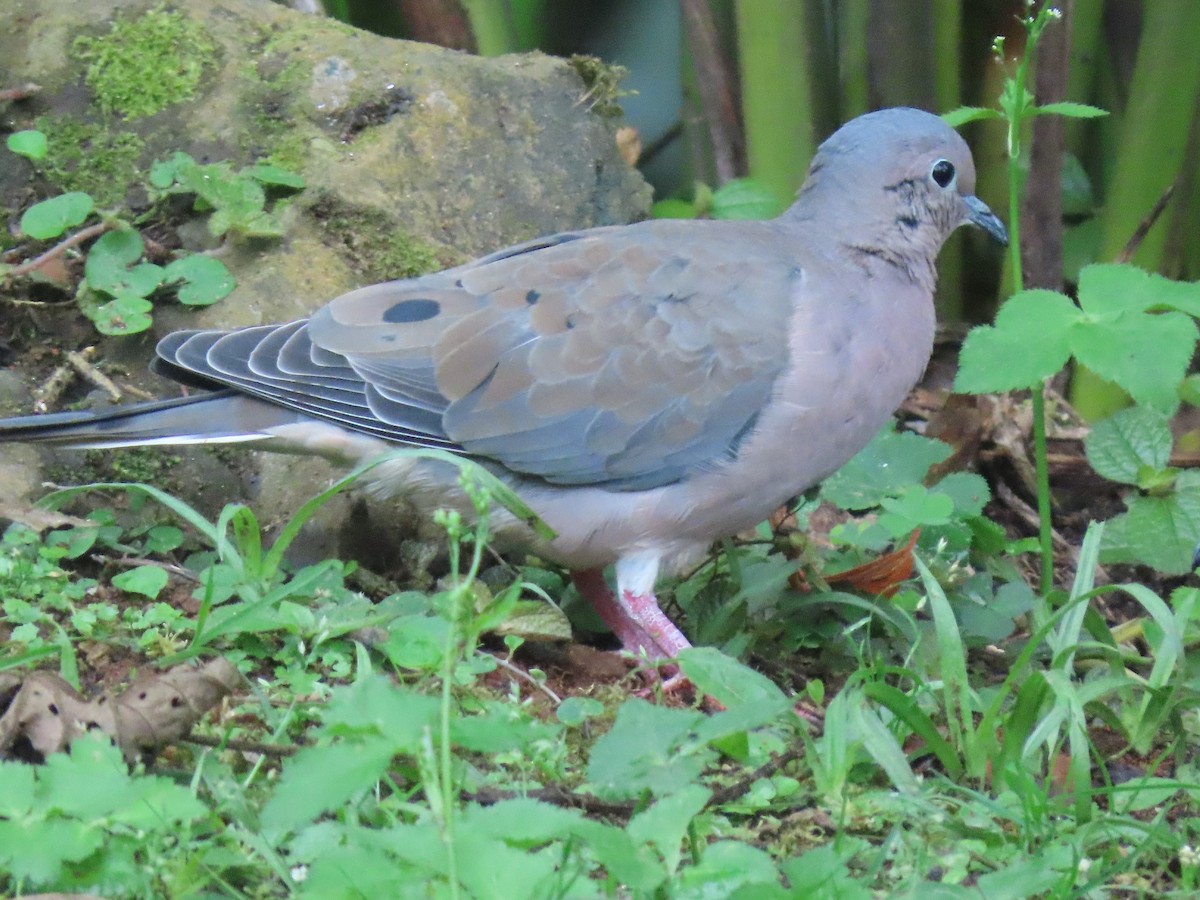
(623, 357)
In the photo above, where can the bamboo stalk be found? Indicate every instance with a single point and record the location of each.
(777, 93)
(947, 92)
(1151, 149)
(1158, 119)
(852, 57)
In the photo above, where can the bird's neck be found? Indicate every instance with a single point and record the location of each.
(878, 242)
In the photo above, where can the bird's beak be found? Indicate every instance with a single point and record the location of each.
(986, 219)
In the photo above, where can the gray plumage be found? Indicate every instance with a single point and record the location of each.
(647, 388)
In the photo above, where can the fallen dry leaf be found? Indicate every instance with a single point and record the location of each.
(45, 714)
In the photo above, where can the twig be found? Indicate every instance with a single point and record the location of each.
(661, 142)
(19, 93)
(51, 389)
(558, 797)
(742, 785)
(243, 746)
(79, 360)
(139, 393)
(716, 80)
(1029, 515)
(61, 247)
(518, 672)
(13, 301)
(1139, 233)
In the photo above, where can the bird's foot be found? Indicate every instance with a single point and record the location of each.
(642, 628)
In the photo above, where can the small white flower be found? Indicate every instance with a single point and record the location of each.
(1189, 855)
(299, 873)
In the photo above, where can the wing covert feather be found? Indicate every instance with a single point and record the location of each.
(624, 358)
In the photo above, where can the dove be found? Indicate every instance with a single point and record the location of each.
(646, 389)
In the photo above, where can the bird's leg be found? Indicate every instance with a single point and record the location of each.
(643, 610)
(632, 612)
(636, 575)
(595, 590)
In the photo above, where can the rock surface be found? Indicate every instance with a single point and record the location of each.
(415, 158)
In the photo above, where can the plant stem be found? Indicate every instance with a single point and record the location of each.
(1017, 114)
(450, 656)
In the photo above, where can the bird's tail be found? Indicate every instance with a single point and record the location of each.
(207, 418)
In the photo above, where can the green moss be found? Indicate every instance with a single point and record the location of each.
(603, 82)
(147, 465)
(373, 244)
(276, 135)
(90, 158)
(145, 64)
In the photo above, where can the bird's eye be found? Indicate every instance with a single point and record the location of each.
(942, 173)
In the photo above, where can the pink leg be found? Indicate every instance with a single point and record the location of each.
(595, 590)
(643, 609)
(635, 619)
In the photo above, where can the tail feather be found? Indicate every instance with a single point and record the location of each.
(210, 418)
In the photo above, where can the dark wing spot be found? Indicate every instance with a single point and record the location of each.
(532, 297)
(412, 311)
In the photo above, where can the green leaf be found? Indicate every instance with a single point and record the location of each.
(1161, 532)
(965, 114)
(204, 280)
(274, 175)
(991, 619)
(163, 539)
(1119, 446)
(730, 682)
(914, 507)
(52, 217)
(665, 823)
(824, 873)
(1029, 342)
(575, 711)
(1116, 288)
(892, 461)
(743, 198)
(1071, 110)
(30, 144)
(1147, 355)
(373, 705)
(16, 789)
(970, 492)
(750, 698)
(644, 751)
(726, 867)
(165, 172)
(318, 779)
(497, 730)
(145, 580)
(1029, 876)
(110, 266)
(673, 208)
(37, 850)
(125, 314)
(240, 198)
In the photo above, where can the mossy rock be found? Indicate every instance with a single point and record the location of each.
(415, 157)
